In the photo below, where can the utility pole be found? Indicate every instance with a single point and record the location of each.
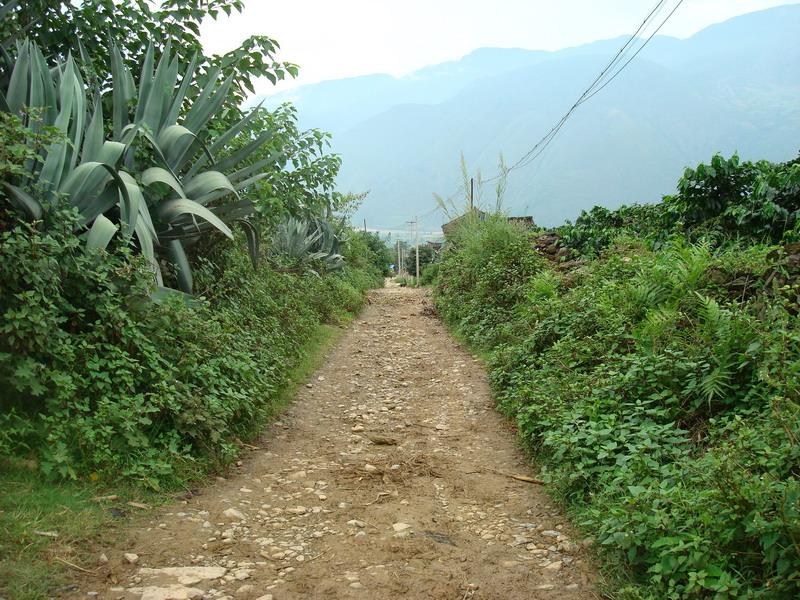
(411, 232)
(365, 226)
(471, 194)
(398, 257)
(416, 241)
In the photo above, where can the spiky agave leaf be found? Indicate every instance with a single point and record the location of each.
(184, 195)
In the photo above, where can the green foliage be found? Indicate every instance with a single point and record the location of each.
(725, 199)
(99, 380)
(658, 390)
(368, 251)
(404, 281)
(754, 200)
(155, 180)
(426, 257)
(303, 184)
(595, 229)
(306, 245)
(89, 28)
(430, 274)
(487, 265)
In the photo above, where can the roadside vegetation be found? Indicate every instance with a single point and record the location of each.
(168, 264)
(650, 357)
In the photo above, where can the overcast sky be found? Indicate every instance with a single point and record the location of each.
(331, 39)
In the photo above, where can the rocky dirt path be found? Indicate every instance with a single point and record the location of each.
(387, 478)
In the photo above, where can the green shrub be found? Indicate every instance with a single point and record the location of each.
(429, 274)
(720, 201)
(482, 277)
(658, 391)
(99, 381)
(367, 250)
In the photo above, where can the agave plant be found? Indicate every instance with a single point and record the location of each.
(159, 181)
(307, 244)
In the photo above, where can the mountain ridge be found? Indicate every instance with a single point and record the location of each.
(730, 87)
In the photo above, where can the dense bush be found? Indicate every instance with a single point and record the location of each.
(99, 380)
(486, 267)
(426, 257)
(658, 390)
(430, 274)
(368, 251)
(724, 200)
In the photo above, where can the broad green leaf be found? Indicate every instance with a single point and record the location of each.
(253, 240)
(23, 201)
(221, 141)
(158, 175)
(131, 201)
(174, 209)
(173, 142)
(93, 141)
(205, 183)
(177, 102)
(201, 111)
(101, 233)
(229, 162)
(18, 87)
(183, 271)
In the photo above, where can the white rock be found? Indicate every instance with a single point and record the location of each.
(186, 575)
(172, 592)
(356, 523)
(233, 513)
(401, 527)
(298, 476)
(131, 558)
(245, 590)
(370, 468)
(551, 533)
(554, 566)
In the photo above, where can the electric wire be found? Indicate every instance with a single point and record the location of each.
(597, 85)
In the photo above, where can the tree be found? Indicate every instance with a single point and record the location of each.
(89, 30)
(426, 257)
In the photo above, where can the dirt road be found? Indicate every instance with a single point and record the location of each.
(387, 478)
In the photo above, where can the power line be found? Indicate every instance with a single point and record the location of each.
(553, 134)
(595, 87)
(647, 41)
(594, 83)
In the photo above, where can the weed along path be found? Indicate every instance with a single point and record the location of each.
(390, 476)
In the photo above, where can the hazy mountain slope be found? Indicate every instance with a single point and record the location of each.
(732, 87)
(340, 104)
